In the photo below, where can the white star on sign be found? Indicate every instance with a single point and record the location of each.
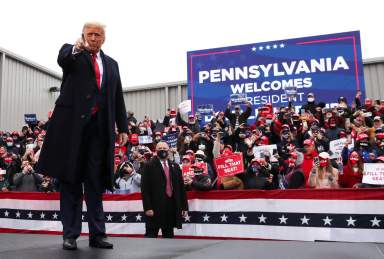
(351, 221)
(6, 213)
(304, 220)
(261, 48)
(283, 219)
(267, 47)
(242, 218)
(224, 218)
(274, 46)
(254, 49)
(327, 221)
(262, 218)
(138, 217)
(30, 215)
(42, 215)
(124, 218)
(375, 222)
(55, 216)
(282, 45)
(206, 218)
(109, 217)
(82, 217)
(187, 218)
(18, 214)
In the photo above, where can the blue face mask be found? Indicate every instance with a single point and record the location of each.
(254, 169)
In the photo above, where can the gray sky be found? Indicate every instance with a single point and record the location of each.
(150, 39)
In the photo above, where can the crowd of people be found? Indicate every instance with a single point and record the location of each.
(303, 158)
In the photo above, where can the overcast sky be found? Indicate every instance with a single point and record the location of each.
(149, 39)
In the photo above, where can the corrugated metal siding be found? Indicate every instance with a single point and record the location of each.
(374, 80)
(25, 90)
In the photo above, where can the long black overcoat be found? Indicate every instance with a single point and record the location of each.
(78, 94)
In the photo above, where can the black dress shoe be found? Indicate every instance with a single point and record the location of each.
(100, 242)
(69, 244)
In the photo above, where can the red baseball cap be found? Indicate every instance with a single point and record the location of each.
(308, 142)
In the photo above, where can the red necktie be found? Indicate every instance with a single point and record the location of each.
(168, 188)
(95, 108)
(97, 70)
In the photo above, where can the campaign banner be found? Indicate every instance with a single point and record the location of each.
(259, 150)
(337, 145)
(171, 139)
(145, 139)
(269, 72)
(373, 173)
(238, 98)
(229, 165)
(30, 119)
(188, 171)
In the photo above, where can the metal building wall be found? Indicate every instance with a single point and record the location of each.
(374, 78)
(24, 88)
(151, 99)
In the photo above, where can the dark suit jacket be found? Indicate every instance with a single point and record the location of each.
(243, 117)
(153, 185)
(78, 94)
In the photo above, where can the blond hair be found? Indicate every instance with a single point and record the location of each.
(94, 24)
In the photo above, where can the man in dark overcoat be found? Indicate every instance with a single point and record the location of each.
(79, 144)
(163, 193)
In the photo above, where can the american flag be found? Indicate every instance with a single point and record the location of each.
(354, 215)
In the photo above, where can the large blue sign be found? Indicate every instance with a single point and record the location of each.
(268, 72)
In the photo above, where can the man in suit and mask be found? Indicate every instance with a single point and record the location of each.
(79, 144)
(164, 197)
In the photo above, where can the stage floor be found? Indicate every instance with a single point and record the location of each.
(49, 246)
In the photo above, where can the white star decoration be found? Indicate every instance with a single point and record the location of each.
(261, 48)
(109, 217)
(375, 222)
(206, 218)
(18, 214)
(282, 45)
(351, 221)
(262, 219)
(242, 218)
(55, 216)
(138, 217)
(304, 220)
(124, 217)
(274, 46)
(224, 218)
(30, 215)
(283, 219)
(82, 217)
(254, 48)
(42, 215)
(327, 221)
(187, 218)
(6, 213)
(267, 47)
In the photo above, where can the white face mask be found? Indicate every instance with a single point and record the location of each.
(310, 99)
(202, 147)
(29, 146)
(9, 144)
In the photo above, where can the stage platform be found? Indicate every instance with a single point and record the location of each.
(49, 246)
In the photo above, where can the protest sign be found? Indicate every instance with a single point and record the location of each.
(229, 165)
(145, 139)
(373, 173)
(259, 150)
(269, 72)
(238, 98)
(185, 107)
(171, 139)
(337, 145)
(30, 119)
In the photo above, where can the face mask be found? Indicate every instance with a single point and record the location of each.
(268, 121)
(163, 154)
(323, 163)
(9, 144)
(29, 146)
(311, 99)
(332, 125)
(354, 161)
(8, 160)
(157, 139)
(285, 136)
(202, 147)
(364, 144)
(18, 145)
